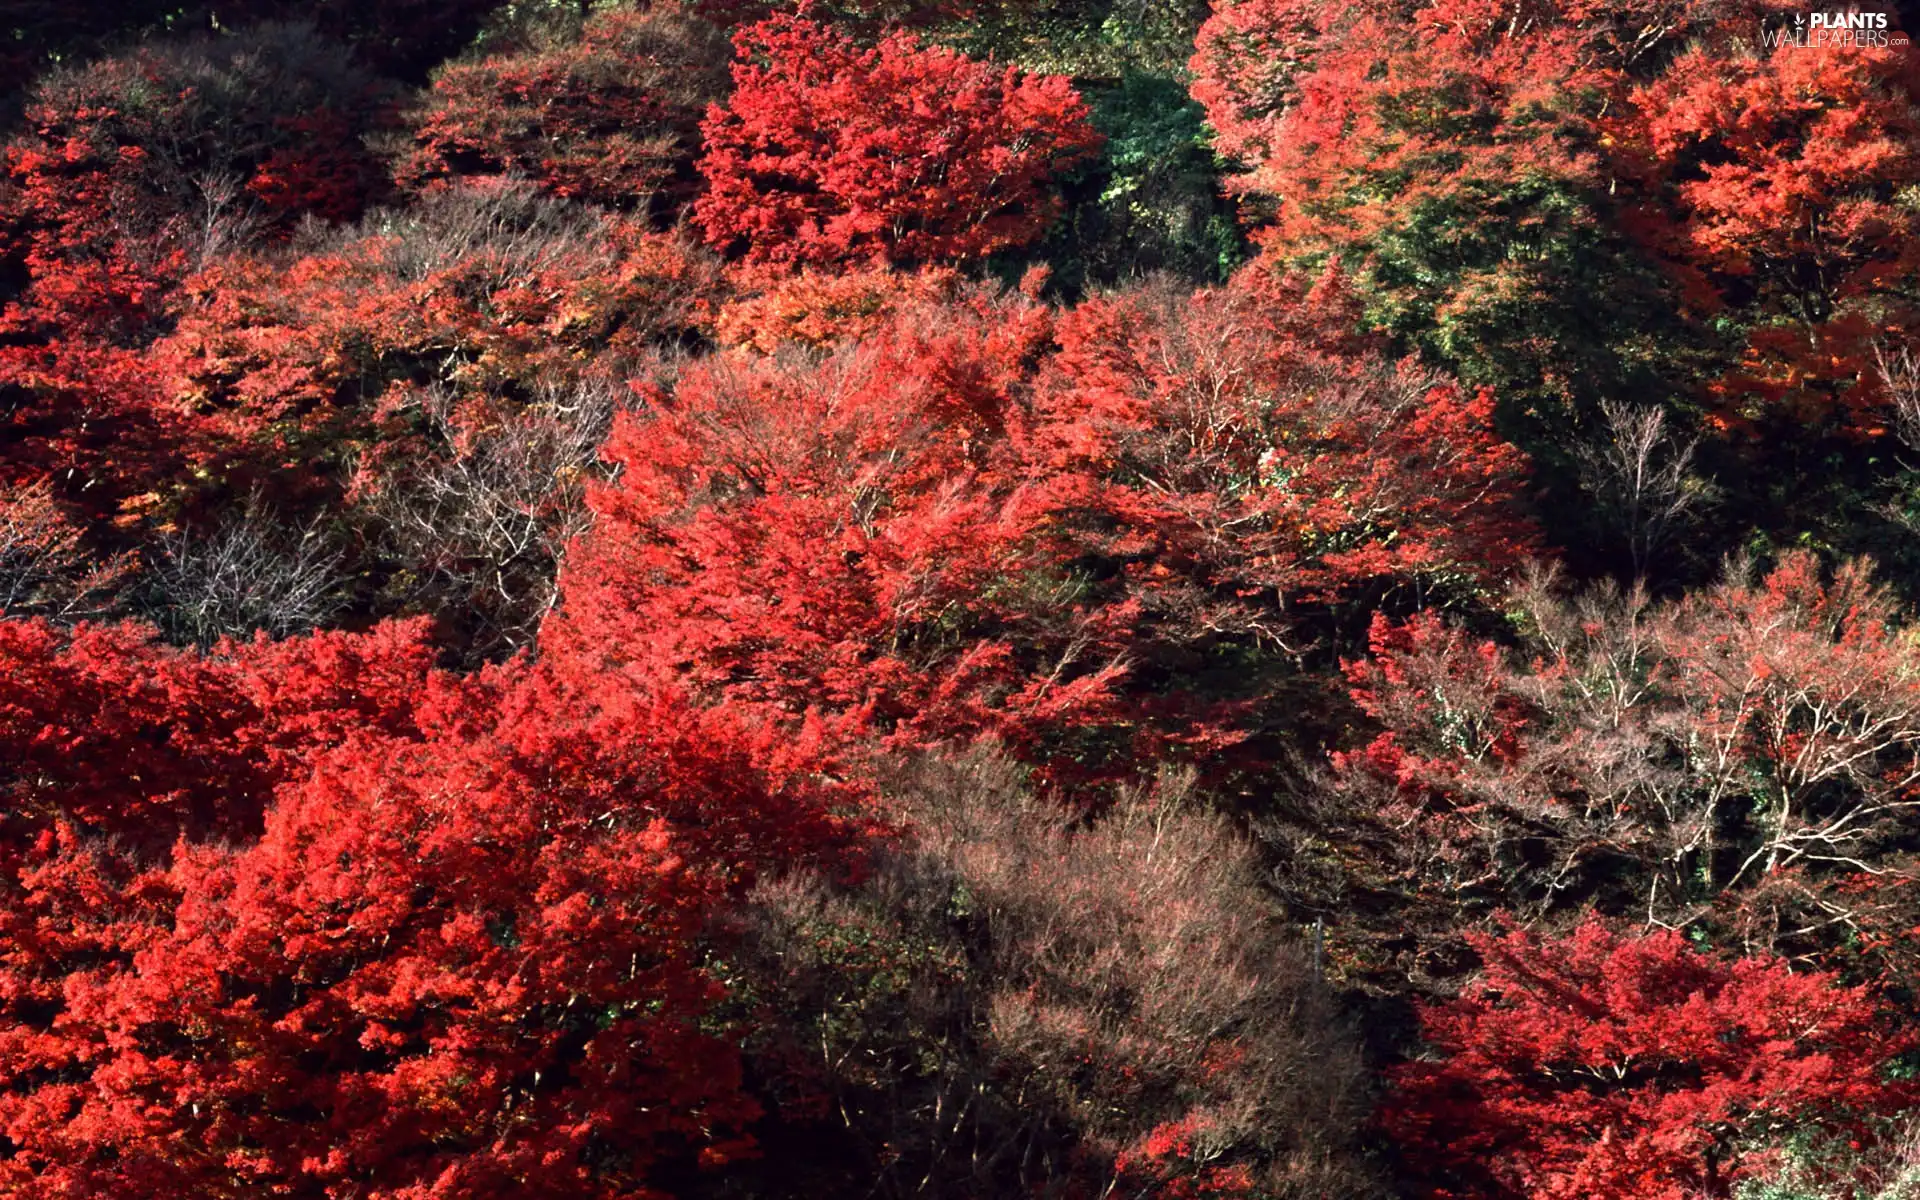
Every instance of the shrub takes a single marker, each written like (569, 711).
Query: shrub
(612, 117)
(1013, 1005)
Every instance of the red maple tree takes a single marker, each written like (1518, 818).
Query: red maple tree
(1771, 186)
(827, 152)
(1614, 1065)
(1757, 178)
(311, 916)
(988, 517)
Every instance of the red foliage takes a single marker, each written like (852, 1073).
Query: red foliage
(132, 172)
(325, 171)
(1322, 98)
(1605, 1065)
(1168, 1163)
(613, 117)
(1772, 186)
(281, 369)
(986, 518)
(829, 536)
(827, 152)
(308, 916)
(109, 733)
(483, 289)
(317, 917)
(93, 419)
(1244, 440)
(822, 309)
(1248, 62)
(1764, 179)
(1451, 698)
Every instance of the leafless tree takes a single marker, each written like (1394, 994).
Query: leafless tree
(1898, 368)
(227, 218)
(247, 574)
(45, 570)
(507, 226)
(1636, 470)
(479, 532)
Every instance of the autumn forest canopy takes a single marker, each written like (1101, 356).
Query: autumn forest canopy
(1075, 599)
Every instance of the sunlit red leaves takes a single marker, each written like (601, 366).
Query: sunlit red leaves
(1616, 1065)
(109, 731)
(1423, 676)
(798, 534)
(1248, 62)
(989, 518)
(414, 932)
(1774, 182)
(280, 368)
(821, 309)
(1765, 180)
(1766, 149)
(1328, 103)
(826, 152)
(313, 916)
(1246, 442)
